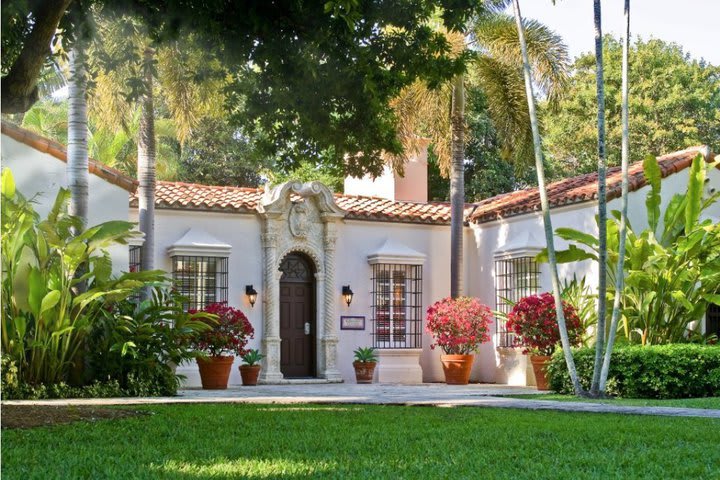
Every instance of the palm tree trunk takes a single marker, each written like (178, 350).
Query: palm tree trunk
(146, 167)
(564, 339)
(619, 271)
(602, 204)
(77, 151)
(457, 185)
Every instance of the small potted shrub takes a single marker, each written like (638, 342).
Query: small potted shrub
(250, 369)
(533, 320)
(218, 345)
(365, 361)
(459, 326)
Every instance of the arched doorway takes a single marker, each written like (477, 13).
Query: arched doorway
(298, 329)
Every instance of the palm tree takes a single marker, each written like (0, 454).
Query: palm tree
(495, 68)
(77, 128)
(537, 144)
(146, 165)
(625, 162)
(602, 203)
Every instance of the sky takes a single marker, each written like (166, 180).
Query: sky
(694, 24)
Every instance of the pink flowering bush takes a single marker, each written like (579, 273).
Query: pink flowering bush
(533, 320)
(459, 325)
(229, 335)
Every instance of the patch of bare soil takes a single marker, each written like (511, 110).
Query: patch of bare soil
(29, 416)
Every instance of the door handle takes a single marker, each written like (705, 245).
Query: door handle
(307, 328)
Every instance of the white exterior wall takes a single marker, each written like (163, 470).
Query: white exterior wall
(41, 175)
(490, 237)
(244, 264)
(356, 240)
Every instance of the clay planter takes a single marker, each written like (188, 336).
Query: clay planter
(364, 371)
(215, 371)
(539, 364)
(249, 374)
(457, 368)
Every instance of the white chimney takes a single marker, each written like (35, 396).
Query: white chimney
(411, 187)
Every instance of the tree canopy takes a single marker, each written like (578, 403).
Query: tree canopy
(674, 104)
(314, 78)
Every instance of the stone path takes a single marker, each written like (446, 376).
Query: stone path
(431, 394)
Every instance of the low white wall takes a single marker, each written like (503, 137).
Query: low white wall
(39, 176)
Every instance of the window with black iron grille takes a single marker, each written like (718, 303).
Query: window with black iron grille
(397, 306)
(712, 320)
(515, 278)
(134, 258)
(202, 280)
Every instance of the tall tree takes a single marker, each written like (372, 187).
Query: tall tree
(620, 269)
(547, 221)
(347, 59)
(146, 164)
(457, 185)
(602, 202)
(494, 66)
(77, 135)
(674, 104)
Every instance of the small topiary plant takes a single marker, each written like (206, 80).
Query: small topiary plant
(365, 355)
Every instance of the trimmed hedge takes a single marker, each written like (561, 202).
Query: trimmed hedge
(658, 371)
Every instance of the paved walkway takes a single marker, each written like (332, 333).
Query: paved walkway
(435, 394)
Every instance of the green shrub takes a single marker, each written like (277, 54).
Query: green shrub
(657, 371)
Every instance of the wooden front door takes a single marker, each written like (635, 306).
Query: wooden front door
(297, 317)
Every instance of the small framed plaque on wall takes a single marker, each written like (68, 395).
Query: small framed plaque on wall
(352, 323)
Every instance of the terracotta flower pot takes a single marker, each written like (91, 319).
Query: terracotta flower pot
(249, 374)
(539, 364)
(364, 371)
(457, 368)
(215, 371)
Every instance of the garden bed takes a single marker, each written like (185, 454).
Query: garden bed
(29, 416)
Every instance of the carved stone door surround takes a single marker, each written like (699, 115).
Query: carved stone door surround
(300, 217)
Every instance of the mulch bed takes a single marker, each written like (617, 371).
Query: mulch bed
(29, 416)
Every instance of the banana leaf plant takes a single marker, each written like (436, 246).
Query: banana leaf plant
(672, 267)
(45, 316)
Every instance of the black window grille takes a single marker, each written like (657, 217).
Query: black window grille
(515, 278)
(134, 258)
(201, 280)
(712, 320)
(397, 306)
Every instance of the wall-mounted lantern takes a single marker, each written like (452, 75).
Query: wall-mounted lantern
(251, 294)
(347, 294)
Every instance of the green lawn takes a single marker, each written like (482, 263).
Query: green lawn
(270, 441)
(712, 403)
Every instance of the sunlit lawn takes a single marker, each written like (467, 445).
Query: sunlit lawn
(252, 441)
(705, 403)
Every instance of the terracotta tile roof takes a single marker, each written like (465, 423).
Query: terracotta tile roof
(59, 151)
(191, 196)
(579, 189)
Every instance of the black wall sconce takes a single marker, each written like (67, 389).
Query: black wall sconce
(347, 294)
(251, 294)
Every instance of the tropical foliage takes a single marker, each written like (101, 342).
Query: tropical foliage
(46, 316)
(672, 267)
(139, 343)
(459, 325)
(534, 322)
(365, 355)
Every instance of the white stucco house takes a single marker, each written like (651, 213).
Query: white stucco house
(300, 247)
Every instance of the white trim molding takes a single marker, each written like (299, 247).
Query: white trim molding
(199, 243)
(393, 252)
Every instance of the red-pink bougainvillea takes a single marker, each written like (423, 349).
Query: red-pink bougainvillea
(533, 320)
(229, 336)
(459, 325)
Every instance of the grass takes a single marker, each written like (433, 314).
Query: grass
(353, 441)
(712, 403)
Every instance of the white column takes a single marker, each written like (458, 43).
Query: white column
(271, 308)
(330, 338)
